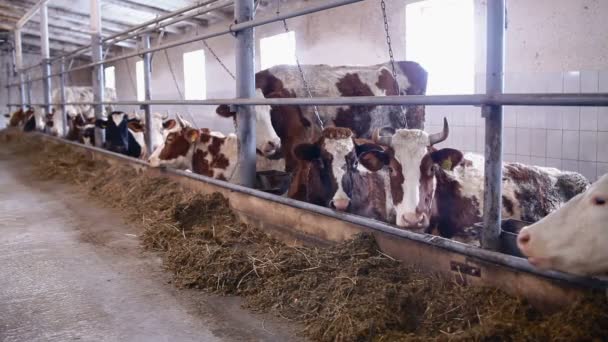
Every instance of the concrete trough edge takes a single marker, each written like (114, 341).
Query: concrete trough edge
(467, 264)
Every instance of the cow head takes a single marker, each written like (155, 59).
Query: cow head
(326, 167)
(117, 132)
(268, 142)
(572, 239)
(179, 136)
(412, 163)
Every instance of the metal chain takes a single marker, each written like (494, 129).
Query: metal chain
(181, 95)
(390, 51)
(304, 81)
(219, 60)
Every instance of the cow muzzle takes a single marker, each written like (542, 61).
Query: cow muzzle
(270, 148)
(341, 204)
(414, 220)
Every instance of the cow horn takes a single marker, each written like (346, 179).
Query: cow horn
(383, 135)
(165, 116)
(436, 138)
(181, 121)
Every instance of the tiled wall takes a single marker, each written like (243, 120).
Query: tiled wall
(568, 138)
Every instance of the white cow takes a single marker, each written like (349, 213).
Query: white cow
(573, 239)
(76, 94)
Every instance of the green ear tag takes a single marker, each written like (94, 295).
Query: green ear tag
(447, 164)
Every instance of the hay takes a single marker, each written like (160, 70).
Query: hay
(349, 292)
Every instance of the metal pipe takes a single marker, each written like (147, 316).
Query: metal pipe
(432, 100)
(490, 235)
(147, 93)
(426, 239)
(46, 54)
(8, 89)
(64, 114)
(230, 29)
(245, 88)
(18, 65)
(98, 81)
(28, 88)
(118, 38)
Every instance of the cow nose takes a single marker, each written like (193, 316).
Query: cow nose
(414, 220)
(339, 204)
(523, 239)
(270, 148)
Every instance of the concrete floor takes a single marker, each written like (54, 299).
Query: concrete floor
(72, 270)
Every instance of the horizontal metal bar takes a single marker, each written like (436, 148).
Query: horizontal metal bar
(137, 27)
(200, 11)
(230, 29)
(431, 240)
(433, 100)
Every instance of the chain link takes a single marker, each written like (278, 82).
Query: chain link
(219, 60)
(390, 51)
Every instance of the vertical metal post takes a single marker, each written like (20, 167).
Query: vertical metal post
(8, 88)
(245, 88)
(64, 114)
(28, 88)
(46, 55)
(147, 94)
(490, 237)
(18, 66)
(98, 81)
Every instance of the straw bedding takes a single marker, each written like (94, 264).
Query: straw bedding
(349, 292)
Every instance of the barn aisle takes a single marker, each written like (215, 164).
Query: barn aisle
(70, 270)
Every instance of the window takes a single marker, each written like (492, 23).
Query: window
(109, 75)
(194, 75)
(139, 73)
(440, 36)
(278, 49)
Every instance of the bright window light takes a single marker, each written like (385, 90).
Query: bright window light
(440, 36)
(194, 75)
(109, 74)
(139, 71)
(278, 49)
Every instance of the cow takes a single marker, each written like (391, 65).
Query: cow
(125, 134)
(75, 94)
(328, 174)
(299, 124)
(203, 151)
(573, 238)
(441, 190)
(81, 129)
(23, 119)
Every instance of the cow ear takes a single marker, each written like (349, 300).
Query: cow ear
(224, 110)
(169, 124)
(135, 126)
(7, 115)
(447, 158)
(307, 152)
(101, 123)
(374, 160)
(192, 135)
(362, 146)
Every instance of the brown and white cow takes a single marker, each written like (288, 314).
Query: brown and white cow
(328, 174)
(443, 189)
(573, 238)
(298, 124)
(208, 153)
(20, 118)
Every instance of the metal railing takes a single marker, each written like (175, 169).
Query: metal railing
(492, 101)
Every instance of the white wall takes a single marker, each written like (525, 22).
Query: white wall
(552, 46)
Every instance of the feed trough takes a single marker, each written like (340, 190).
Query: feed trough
(508, 236)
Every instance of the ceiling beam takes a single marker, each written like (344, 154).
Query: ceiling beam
(154, 10)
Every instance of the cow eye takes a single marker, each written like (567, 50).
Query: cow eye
(355, 164)
(599, 201)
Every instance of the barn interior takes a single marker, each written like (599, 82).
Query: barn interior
(550, 47)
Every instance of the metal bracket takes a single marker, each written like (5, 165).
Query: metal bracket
(465, 269)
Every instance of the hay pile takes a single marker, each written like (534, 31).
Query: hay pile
(350, 292)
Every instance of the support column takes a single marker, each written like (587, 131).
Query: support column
(18, 66)
(98, 81)
(245, 88)
(147, 93)
(490, 237)
(46, 55)
(64, 115)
